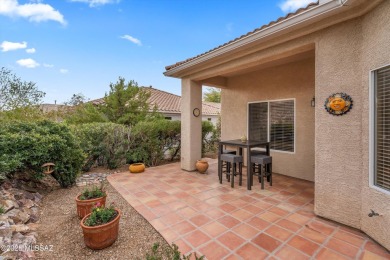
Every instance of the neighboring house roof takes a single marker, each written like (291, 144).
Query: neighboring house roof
(280, 19)
(170, 103)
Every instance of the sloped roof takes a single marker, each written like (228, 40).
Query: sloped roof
(280, 19)
(170, 103)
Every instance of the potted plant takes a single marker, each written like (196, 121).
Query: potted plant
(88, 199)
(101, 226)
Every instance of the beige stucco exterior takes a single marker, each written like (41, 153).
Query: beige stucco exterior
(335, 54)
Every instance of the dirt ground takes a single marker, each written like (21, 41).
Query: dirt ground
(60, 228)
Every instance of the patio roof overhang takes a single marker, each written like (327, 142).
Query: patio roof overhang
(325, 14)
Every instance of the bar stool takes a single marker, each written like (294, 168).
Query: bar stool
(233, 159)
(261, 161)
(226, 165)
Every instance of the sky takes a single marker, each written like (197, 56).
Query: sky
(81, 46)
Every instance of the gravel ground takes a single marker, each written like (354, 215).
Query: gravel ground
(60, 227)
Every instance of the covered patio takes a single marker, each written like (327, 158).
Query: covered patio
(200, 215)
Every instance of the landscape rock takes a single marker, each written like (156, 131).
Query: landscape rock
(8, 205)
(18, 216)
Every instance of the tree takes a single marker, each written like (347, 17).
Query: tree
(15, 93)
(76, 99)
(212, 95)
(126, 103)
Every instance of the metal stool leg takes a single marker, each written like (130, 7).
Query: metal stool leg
(240, 172)
(234, 173)
(262, 177)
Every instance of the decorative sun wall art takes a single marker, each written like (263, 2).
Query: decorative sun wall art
(338, 104)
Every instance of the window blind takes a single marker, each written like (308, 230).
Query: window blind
(282, 125)
(382, 125)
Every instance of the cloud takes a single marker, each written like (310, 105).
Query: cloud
(48, 65)
(132, 39)
(64, 71)
(28, 63)
(31, 50)
(95, 3)
(33, 11)
(289, 6)
(12, 46)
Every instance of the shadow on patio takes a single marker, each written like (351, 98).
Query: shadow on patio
(200, 215)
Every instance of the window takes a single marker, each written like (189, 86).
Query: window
(273, 121)
(168, 118)
(209, 119)
(382, 128)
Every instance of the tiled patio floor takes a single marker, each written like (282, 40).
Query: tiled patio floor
(200, 215)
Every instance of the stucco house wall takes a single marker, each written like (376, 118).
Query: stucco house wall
(291, 81)
(344, 55)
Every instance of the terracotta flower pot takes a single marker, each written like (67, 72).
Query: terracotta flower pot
(84, 207)
(99, 237)
(137, 167)
(202, 166)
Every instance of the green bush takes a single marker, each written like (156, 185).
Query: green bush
(105, 144)
(25, 146)
(151, 139)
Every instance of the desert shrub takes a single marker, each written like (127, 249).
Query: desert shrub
(209, 137)
(25, 146)
(158, 252)
(152, 138)
(84, 113)
(105, 144)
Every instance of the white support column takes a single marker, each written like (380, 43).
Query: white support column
(191, 126)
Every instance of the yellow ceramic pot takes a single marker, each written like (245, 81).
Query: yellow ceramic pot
(137, 167)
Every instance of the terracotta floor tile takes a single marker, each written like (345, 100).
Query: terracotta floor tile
(171, 219)
(303, 245)
(258, 223)
(298, 218)
(327, 254)
(250, 251)
(279, 211)
(233, 257)
(184, 248)
(169, 197)
(342, 247)
(200, 220)
(228, 221)
(253, 209)
(349, 237)
(215, 213)
(266, 242)
(183, 227)
(214, 229)
(213, 251)
(246, 231)
(377, 249)
(312, 235)
(278, 232)
(187, 212)
(231, 240)
(197, 238)
(169, 235)
(289, 225)
(241, 214)
(320, 227)
(288, 252)
(368, 255)
(269, 216)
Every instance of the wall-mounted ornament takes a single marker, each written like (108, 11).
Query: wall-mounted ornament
(338, 104)
(196, 112)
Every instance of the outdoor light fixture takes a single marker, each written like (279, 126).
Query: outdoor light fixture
(313, 102)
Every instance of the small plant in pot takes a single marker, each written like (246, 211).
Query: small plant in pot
(88, 199)
(101, 226)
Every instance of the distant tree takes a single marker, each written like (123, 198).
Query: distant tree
(126, 103)
(84, 113)
(15, 93)
(76, 99)
(212, 95)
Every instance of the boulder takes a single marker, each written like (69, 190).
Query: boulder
(18, 216)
